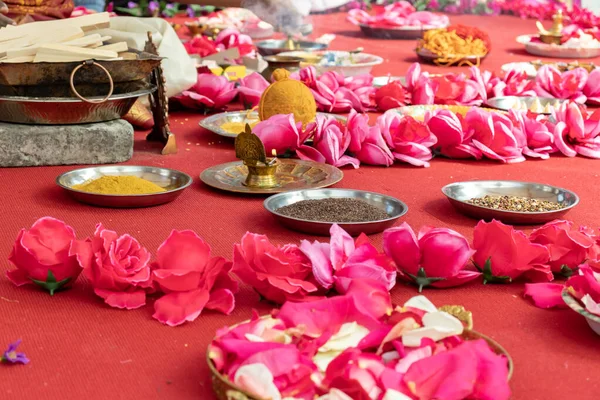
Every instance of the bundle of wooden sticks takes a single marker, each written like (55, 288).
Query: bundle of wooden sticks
(66, 40)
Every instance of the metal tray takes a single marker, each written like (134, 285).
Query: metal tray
(213, 123)
(404, 33)
(30, 74)
(506, 103)
(175, 182)
(293, 175)
(67, 110)
(458, 193)
(392, 206)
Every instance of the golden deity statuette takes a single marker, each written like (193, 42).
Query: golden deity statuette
(554, 35)
(261, 170)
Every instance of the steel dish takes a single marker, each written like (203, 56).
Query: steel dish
(394, 207)
(67, 110)
(292, 175)
(506, 103)
(273, 47)
(362, 63)
(214, 122)
(175, 182)
(458, 193)
(402, 33)
(556, 51)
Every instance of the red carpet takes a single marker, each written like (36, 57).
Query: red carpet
(81, 349)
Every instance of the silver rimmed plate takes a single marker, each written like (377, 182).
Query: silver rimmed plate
(392, 206)
(506, 103)
(174, 182)
(592, 319)
(460, 192)
(214, 122)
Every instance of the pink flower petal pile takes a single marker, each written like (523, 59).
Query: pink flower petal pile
(348, 347)
(399, 14)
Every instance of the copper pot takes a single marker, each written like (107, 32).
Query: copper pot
(291, 64)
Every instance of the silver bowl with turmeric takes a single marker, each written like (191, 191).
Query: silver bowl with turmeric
(124, 186)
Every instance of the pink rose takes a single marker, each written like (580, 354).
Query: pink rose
(231, 37)
(409, 140)
(191, 279)
(210, 92)
(344, 260)
(276, 273)
(437, 257)
(540, 140)
(576, 133)
(282, 134)
(41, 256)
(117, 267)
(367, 142)
(495, 135)
(569, 85)
(516, 83)
(592, 88)
(419, 86)
(330, 142)
(568, 247)
(504, 254)
(251, 88)
(452, 140)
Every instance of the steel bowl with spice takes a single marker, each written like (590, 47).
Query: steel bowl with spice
(505, 197)
(386, 205)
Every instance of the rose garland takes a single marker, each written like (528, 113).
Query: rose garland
(120, 270)
(478, 133)
(335, 93)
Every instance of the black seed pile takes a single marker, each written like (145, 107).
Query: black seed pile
(334, 210)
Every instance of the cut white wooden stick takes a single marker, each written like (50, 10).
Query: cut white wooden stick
(22, 52)
(13, 44)
(118, 47)
(57, 36)
(84, 41)
(61, 53)
(23, 59)
(86, 23)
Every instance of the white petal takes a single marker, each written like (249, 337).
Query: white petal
(412, 357)
(335, 394)
(258, 380)
(392, 394)
(440, 319)
(390, 356)
(253, 338)
(421, 303)
(349, 335)
(590, 304)
(322, 360)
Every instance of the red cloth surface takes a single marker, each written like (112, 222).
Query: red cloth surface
(82, 349)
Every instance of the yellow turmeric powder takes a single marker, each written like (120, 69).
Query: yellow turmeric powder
(452, 48)
(119, 185)
(237, 127)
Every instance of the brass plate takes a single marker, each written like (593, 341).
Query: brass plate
(292, 174)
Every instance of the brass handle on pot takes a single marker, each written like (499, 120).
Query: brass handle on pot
(93, 63)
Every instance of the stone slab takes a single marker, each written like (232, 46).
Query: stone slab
(37, 145)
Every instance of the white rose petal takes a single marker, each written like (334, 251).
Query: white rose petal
(349, 335)
(261, 381)
(590, 304)
(392, 394)
(412, 357)
(421, 303)
(438, 325)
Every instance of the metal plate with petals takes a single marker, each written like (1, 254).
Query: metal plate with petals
(402, 33)
(592, 319)
(556, 51)
(292, 175)
(458, 193)
(392, 206)
(506, 103)
(214, 122)
(174, 182)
